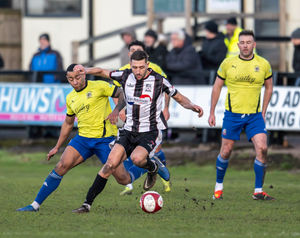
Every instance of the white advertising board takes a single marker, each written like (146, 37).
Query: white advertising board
(283, 112)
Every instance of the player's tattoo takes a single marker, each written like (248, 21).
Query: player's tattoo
(121, 100)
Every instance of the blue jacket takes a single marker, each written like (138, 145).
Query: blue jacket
(47, 60)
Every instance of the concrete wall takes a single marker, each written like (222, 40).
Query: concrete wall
(108, 16)
(62, 32)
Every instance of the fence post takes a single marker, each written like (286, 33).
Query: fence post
(150, 13)
(188, 15)
(75, 49)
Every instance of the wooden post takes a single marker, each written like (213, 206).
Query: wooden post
(282, 32)
(160, 28)
(150, 13)
(188, 16)
(75, 49)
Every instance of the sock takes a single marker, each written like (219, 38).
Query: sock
(95, 189)
(219, 186)
(161, 155)
(135, 172)
(150, 165)
(128, 163)
(50, 184)
(35, 205)
(129, 186)
(221, 166)
(259, 169)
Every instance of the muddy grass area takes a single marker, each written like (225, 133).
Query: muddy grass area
(182, 153)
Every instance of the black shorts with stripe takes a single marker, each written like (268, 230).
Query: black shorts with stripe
(148, 140)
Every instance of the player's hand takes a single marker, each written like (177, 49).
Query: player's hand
(263, 113)
(212, 120)
(52, 153)
(122, 115)
(79, 69)
(166, 113)
(198, 109)
(113, 117)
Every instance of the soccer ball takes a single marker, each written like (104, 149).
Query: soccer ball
(151, 202)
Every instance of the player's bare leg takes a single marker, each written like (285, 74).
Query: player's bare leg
(221, 166)
(260, 165)
(115, 158)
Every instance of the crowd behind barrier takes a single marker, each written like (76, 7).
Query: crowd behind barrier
(201, 77)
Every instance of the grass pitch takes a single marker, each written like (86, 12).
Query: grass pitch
(188, 209)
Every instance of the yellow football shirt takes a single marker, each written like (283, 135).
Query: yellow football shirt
(244, 80)
(153, 66)
(91, 107)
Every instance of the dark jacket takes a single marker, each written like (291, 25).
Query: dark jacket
(183, 65)
(47, 60)
(158, 55)
(213, 52)
(296, 59)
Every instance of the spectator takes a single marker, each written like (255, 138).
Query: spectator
(213, 49)
(47, 59)
(1, 62)
(232, 37)
(296, 57)
(182, 62)
(128, 35)
(156, 50)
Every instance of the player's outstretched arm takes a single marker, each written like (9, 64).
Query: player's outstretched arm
(267, 95)
(186, 103)
(65, 131)
(215, 94)
(166, 112)
(113, 116)
(96, 71)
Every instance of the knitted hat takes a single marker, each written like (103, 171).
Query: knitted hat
(211, 26)
(296, 34)
(232, 21)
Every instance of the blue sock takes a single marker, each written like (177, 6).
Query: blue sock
(161, 155)
(136, 172)
(221, 166)
(259, 169)
(50, 184)
(127, 163)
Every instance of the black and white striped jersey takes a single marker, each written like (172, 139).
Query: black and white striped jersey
(144, 99)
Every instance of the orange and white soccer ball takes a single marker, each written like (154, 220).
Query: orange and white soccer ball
(151, 202)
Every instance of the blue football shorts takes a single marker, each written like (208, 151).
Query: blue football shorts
(234, 123)
(90, 146)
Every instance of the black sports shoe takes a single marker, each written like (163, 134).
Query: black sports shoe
(150, 179)
(85, 208)
(262, 196)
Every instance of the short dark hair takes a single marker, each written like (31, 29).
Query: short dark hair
(137, 42)
(139, 55)
(71, 68)
(45, 36)
(247, 33)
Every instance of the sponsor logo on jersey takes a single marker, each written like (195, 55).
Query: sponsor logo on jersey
(143, 99)
(130, 85)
